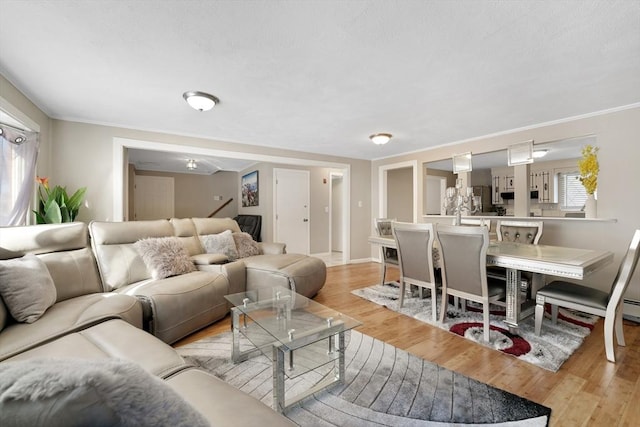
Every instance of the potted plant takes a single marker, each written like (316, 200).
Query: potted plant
(589, 168)
(55, 205)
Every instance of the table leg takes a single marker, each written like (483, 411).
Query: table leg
(235, 321)
(513, 299)
(278, 379)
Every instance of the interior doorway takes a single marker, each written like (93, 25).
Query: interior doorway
(336, 226)
(153, 197)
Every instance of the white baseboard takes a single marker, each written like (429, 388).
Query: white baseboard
(362, 260)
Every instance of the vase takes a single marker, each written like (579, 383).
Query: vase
(591, 207)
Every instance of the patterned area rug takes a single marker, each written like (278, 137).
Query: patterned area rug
(549, 350)
(384, 386)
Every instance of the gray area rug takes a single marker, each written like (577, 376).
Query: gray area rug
(384, 386)
(549, 350)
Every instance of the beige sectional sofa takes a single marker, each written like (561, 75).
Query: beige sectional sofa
(98, 315)
(180, 305)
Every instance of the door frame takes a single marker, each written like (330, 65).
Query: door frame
(121, 176)
(333, 174)
(382, 186)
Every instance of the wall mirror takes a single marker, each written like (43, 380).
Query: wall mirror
(552, 155)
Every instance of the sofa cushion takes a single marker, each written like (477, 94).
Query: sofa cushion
(69, 316)
(245, 245)
(26, 287)
(220, 243)
(71, 391)
(183, 304)
(164, 257)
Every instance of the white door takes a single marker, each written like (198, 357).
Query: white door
(291, 209)
(153, 197)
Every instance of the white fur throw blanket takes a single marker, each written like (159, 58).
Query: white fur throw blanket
(78, 392)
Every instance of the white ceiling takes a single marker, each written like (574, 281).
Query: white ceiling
(321, 76)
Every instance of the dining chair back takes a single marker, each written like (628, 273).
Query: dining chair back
(475, 221)
(415, 257)
(593, 301)
(463, 256)
(519, 231)
(388, 256)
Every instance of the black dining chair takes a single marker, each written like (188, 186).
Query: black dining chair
(591, 300)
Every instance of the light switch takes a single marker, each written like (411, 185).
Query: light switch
(359, 203)
(326, 209)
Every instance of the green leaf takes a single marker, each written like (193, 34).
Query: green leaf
(52, 213)
(64, 213)
(75, 201)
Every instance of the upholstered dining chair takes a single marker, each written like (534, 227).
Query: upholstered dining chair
(528, 232)
(475, 221)
(415, 258)
(463, 254)
(519, 231)
(389, 256)
(593, 301)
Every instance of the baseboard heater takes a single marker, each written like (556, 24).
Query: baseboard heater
(631, 310)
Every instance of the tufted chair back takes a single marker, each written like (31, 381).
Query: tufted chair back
(520, 231)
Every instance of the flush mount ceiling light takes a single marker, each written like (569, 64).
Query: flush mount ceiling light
(537, 154)
(200, 101)
(380, 138)
(191, 164)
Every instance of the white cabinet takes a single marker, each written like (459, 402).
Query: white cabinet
(545, 183)
(502, 181)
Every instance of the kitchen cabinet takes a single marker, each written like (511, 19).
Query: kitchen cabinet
(502, 182)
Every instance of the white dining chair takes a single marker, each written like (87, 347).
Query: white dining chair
(591, 300)
(415, 258)
(389, 256)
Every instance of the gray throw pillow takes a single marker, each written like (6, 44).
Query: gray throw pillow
(221, 243)
(80, 392)
(245, 245)
(164, 256)
(26, 287)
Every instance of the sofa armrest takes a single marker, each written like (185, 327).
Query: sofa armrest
(208, 259)
(235, 272)
(272, 248)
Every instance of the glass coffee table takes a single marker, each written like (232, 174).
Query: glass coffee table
(298, 334)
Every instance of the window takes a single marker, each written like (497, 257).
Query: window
(571, 194)
(18, 155)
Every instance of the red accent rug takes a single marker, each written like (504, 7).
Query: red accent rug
(555, 344)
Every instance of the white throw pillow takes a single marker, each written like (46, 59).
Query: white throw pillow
(26, 287)
(164, 256)
(221, 243)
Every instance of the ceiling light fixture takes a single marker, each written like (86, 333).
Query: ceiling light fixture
(537, 154)
(191, 164)
(200, 101)
(380, 138)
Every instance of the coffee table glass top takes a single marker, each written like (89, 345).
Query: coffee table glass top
(279, 316)
(279, 310)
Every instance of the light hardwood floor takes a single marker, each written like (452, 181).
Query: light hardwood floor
(586, 391)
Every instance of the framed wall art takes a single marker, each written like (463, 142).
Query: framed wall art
(250, 189)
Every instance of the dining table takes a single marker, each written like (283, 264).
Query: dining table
(541, 260)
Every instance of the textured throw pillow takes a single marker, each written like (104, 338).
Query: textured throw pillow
(80, 392)
(221, 243)
(26, 287)
(245, 245)
(164, 256)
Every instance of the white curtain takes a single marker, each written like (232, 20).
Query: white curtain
(17, 173)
